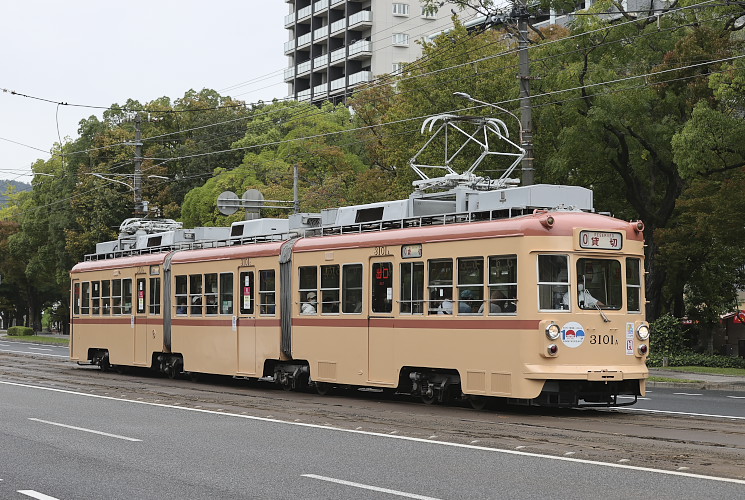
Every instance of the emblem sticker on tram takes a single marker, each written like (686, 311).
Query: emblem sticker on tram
(572, 334)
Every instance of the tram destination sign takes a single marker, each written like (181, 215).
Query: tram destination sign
(600, 240)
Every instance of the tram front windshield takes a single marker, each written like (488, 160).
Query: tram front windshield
(599, 284)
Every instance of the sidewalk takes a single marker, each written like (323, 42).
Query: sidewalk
(701, 380)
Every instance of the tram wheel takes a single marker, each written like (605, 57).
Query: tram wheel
(478, 402)
(324, 388)
(429, 398)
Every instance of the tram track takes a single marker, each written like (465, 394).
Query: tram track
(694, 444)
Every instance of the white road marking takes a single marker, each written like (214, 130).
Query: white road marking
(632, 397)
(407, 438)
(686, 394)
(85, 430)
(681, 413)
(36, 494)
(40, 349)
(36, 353)
(368, 487)
(736, 397)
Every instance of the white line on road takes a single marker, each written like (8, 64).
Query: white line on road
(682, 413)
(686, 394)
(39, 349)
(368, 487)
(736, 397)
(35, 353)
(36, 494)
(632, 397)
(84, 429)
(403, 438)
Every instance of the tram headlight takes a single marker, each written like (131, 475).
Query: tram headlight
(553, 331)
(642, 332)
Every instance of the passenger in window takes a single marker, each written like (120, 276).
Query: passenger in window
(309, 306)
(495, 299)
(464, 304)
(446, 306)
(586, 300)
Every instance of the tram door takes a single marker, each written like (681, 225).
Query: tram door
(246, 323)
(140, 325)
(380, 335)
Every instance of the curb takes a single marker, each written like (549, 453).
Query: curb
(701, 386)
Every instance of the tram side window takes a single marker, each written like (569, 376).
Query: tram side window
(182, 295)
(85, 303)
(154, 295)
(470, 285)
(76, 298)
(96, 297)
(267, 292)
(633, 284)
(352, 288)
(308, 289)
(412, 288)
(502, 284)
(195, 295)
(141, 306)
(440, 286)
(247, 292)
(330, 289)
(127, 296)
(116, 297)
(210, 293)
(226, 293)
(105, 297)
(553, 282)
(599, 284)
(382, 287)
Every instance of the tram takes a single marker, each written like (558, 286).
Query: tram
(514, 293)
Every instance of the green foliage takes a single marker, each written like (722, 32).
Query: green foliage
(696, 359)
(20, 331)
(667, 336)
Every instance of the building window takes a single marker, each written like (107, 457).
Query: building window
(430, 15)
(398, 68)
(401, 39)
(400, 9)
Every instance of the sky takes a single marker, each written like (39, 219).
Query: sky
(99, 52)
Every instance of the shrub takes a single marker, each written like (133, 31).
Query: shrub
(667, 336)
(20, 331)
(696, 359)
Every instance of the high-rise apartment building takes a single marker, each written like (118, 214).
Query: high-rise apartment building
(335, 45)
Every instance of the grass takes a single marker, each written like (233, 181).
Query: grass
(707, 369)
(674, 380)
(40, 339)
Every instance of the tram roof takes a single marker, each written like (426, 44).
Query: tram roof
(150, 259)
(528, 225)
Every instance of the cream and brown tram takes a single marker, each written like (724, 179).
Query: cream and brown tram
(544, 308)
(470, 289)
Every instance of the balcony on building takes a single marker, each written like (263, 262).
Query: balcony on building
(303, 95)
(360, 49)
(338, 84)
(304, 40)
(289, 20)
(321, 61)
(289, 46)
(360, 77)
(304, 13)
(320, 5)
(320, 90)
(362, 18)
(289, 73)
(338, 55)
(320, 33)
(336, 2)
(338, 26)
(303, 68)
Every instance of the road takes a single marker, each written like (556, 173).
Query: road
(352, 442)
(68, 444)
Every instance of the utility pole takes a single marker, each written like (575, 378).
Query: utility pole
(526, 111)
(139, 208)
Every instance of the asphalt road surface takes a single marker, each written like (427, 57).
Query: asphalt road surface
(68, 445)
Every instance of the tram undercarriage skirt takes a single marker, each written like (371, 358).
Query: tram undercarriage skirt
(573, 393)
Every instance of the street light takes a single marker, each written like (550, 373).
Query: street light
(468, 96)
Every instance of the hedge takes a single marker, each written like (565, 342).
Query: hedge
(20, 331)
(696, 359)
